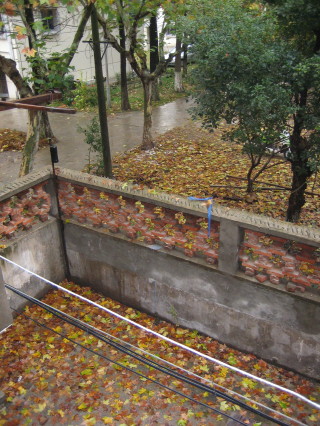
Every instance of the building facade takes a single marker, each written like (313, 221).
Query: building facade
(60, 27)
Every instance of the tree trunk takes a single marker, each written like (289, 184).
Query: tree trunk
(125, 103)
(154, 55)
(298, 187)
(155, 90)
(32, 142)
(250, 181)
(161, 45)
(106, 152)
(45, 131)
(185, 60)
(300, 173)
(178, 86)
(299, 163)
(147, 141)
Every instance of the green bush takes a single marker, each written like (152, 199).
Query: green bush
(85, 96)
(92, 137)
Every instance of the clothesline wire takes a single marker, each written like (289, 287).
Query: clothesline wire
(168, 339)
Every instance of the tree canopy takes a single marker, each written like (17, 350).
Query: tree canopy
(254, 69)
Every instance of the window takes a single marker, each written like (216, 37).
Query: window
(49, 18)
(4, 94)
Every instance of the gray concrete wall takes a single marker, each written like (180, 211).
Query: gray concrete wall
(5, 311)
(219, 301)
(40, 251)
(270, 323)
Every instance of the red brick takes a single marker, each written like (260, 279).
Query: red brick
(288, 269)
(262, 264)
(186, 228)
(211, 260)
(276, 272)
(188, 252)
(274, 279)
(257, 234)
(278, 252)
(312, 280)
(249, 264)
(211, 253)
(306, 259)
(292, 274)
(9, 231)
(251, 245)
(288, 258)
(148, 239)
(262, 252)
(293, 288)
(112, 226)
(261, 278)
(279, 240)
(159, 234)
(301, 280)
(306, 247)
(290, 264)
(250, 272)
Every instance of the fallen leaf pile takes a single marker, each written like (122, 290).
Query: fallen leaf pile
(11, 140)
(14, 140)
(193, 162)
(49, 380)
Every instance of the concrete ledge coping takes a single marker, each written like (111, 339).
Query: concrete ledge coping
(25, 182)
(243, 219)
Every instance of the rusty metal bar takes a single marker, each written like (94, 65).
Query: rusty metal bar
(4, 105)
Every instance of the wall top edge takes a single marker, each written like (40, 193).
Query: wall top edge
(219, 213)
(18, 185)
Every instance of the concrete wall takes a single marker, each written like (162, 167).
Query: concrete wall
(274, 325)
(32, 238)
(38, 251)
(133, 245)
(5, 311)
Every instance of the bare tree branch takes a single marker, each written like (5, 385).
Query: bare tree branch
(9, 67)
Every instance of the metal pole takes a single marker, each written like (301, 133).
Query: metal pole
(108, 92)
(101, 96)
(55, 159)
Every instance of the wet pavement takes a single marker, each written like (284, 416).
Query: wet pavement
(125, 132)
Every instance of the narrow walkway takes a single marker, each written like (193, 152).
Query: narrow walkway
(125, 132)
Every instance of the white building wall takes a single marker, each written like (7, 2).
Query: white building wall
(58, 40)
(6, 50)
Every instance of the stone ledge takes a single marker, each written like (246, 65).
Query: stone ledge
(25, 182)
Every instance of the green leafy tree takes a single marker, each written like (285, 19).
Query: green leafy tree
(134, 15)
(248, 71)
(299, 24)
(45, 74)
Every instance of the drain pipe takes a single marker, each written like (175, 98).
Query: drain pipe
(55, 159)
